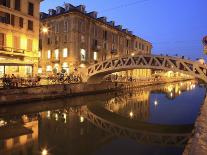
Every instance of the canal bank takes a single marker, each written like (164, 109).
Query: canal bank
(197, 145)
(45, 92)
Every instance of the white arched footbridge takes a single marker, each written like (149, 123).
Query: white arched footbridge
(96, 72)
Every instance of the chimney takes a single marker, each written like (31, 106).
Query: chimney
(43, 15)
(119, 27)
(93, 14)
(52, 12)
(125, 30)
(59, 10)
(103, 19)
(112, 23)
(68, 6)
(81, 8)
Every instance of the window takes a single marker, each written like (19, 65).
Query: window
(57, 54)
(65, 26)
(95, 56)
(30, 8)
(56, 39)
(56, 67)
(83, 54)
(21, 22)
(105, 35)
(113, 38)
(30, 25)
(48, 41)
(82, 39)
(105, 46)
(48, 68)
(142, 46)
(39, 71)
(17, 5)
(16, 42)
(1, 40)
(65, 38)
(65, 67)
(5, 3)
(48, 54)
(28, 70)
(4, 17)
(12, 20)
(65, 52)
(39, 54)
(29, 44)
(127, 43)
(57, 28)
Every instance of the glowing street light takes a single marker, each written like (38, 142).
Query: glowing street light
(131, 114)
(156, 103)
(81, 119)
(45, 30)
(44, 152)
(132, 54)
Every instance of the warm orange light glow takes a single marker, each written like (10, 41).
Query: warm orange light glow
(23, 44)
(45, 30)
(9, 40)
(44, 152)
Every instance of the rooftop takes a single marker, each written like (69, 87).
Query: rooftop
(67, 8)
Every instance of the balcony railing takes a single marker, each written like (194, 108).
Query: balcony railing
(17, 52)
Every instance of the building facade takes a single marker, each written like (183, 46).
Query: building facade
(19, 37)
(72, 38)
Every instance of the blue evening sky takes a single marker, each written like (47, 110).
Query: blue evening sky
(173, 26)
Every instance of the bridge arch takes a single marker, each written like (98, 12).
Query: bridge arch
(96, 72)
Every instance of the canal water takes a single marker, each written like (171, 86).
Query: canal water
(155, 120)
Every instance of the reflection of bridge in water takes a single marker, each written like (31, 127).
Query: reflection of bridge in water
(164, 135)
(135, 104)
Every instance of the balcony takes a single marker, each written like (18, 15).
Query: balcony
(8, 51)
(13, 52)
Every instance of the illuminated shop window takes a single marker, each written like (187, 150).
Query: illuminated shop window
(83, 54)
(65, 67)
(39, 54)
(95, 56)
(48, 54)
(28, 70)
(56, 68)
(56, 54)
(48, 68)
(65, 52)
(39, 71)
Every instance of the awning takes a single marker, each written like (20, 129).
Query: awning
(16, 64)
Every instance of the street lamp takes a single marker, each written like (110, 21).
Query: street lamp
(44, 29)
(44, 152)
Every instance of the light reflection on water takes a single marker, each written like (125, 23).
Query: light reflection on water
(103, 124)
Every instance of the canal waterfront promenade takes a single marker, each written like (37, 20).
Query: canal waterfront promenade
(45, 92)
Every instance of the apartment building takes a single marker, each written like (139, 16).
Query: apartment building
(19, 37)
(72, 38)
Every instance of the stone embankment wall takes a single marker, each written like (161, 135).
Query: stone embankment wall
(20, 95)
(8, 96)
(197, 145)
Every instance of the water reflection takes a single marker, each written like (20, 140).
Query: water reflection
(99, 125)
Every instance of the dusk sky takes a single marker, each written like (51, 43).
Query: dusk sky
(172, 26)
